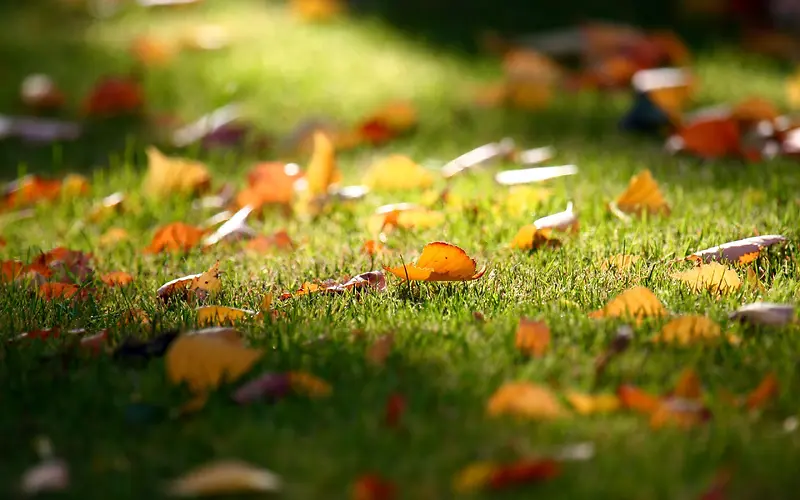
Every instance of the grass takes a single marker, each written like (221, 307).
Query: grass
(445, 362)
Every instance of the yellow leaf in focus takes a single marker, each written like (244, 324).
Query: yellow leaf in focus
(524, 399)
(643, 194)
(167, 175)
(309, 385)
(637, 302)
(531, 238)
(689, 329)
(224, 477)
(207, 358)
(207, 282)
(440, 261)
(587, 404)
(473, 477)
(397, 172)
(619, 262)
(713, 277)
(533, 337)
(220, 315)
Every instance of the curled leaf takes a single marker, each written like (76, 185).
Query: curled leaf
(740, 251)
(167, 175)
(561, 221)
(440, 261)
(765, 313)
(525, 399)
(224, 477)
(642, 195)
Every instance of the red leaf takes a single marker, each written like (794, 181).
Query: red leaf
(524, 472)
(395, 407)
(373, 487)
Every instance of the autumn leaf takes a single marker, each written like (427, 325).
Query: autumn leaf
(525, 399)
(440, 261)
(322, 171)
(30, 190)
(175, 237)
(10, 270)
(50, 291)
(688, 385)
(317, 10)
(714, 277)
(588, 404)
(225, 477)
(221, 315)
(793, 90)
(530, 175)
(619, 262)
(114, 236)
(233, 229)
(531, 238)
(755, 109)
(637, 303)
(268, 183)
(309, 385)
(373, 487)
(379, 351)
(151, 51)
(635, 399)
(206, 358)
(167, 175)
(373, 247)
(687, 330)
(737, 252)
(708, 137)
(474, 477)
(766, 391)
(561, 221)
(394, 409)
(279, 240)
(642, 195)
(765, 313)
(397, 173)
(524, 472)
(387, 122)
(117, 278)
(533, 337)
(114, 96)
(112, 204)
(404, 216)
(198, 286)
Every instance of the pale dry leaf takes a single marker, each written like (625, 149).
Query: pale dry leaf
(224, 477)
(619, 262)
(167, 175)
(397, 173)
(714, 277)
(765, 313)
(531, 175)
(525, 399)
(642, 195)
(740, 251)
(687, 330)
(561, 221)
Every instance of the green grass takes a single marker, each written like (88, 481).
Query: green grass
(445, 362)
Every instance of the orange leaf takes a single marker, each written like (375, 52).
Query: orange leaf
(322, 171)
(167, 175)
(533, 337)
(524, 399)
(766, 391)
(525, 471)
(317, 10)
(440, 261)
(637, 302)
(531, 238)
(150, 51)
(635, 399)
(280, 240)
(372, 247)
(50, 291)
(29, 190)
(688, 386)
(200, 285)
(175, 237)
(113, 96)
(643, 194)
(398, 117)
(117, 278)
(711, 137)
(11, 270)
(686, 330)
(373, 487)
(269, 182)
(755, 109)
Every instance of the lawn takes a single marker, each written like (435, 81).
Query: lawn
(118, 424)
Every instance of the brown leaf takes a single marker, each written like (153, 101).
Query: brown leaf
(395, 407)
(114, 96)
(525, 471)
(50, 291)
(766, 391)
(533, 337)
(117, 278)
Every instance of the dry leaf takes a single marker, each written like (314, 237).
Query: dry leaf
(221, 315)
(440, 261)
(637, 302)
(688, 386)
(688, 330)
(642, 195)
(234, 229)
(714, 277)
(50, 291)
(388, 122)
(206, 358)
(373, 487)
(269, 182)
(765, 313)
(317, 10)
(524, 471)
(373, 247)
(755, 109)
(224, 477)
(322, 171)
(280, 240)
(107, 207)
(531, 238)
(708, 137)
(10, 270)
(113, 96)
(635, 399)
(536, 174)
(167, 175)
(117, 278)
(30, 190)
(588, 404)
(396, 173)
(533, 337)
(766, 391)
(740, 251)
(473, 477)
(619, 262)
(175, 237)
(199, 286)
(309, 385)
(561, 221)
(113, 236)
(404, 216)
(524, 399)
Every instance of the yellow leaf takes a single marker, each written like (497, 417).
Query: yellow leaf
(113, 236)
(201, 285)
(473, 477)
(167, 175)
(317, 10)
(637, 303)
(619, 262)
(224, 477)
(525, 399)
(533, 337)
(208, 282)
(643, 194)
(219, 315)
(440, 261)
(397, 172)
(793, 90)
(714, 277)
(74, 185)
(531, 238)
(309, 385)
(322, 171)
(587, 404)
(206, 358)
(525, 198)
(689, 329)
(529, 95)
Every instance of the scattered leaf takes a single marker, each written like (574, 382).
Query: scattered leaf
(531, 238)
(50, 291)
(714, 277)
(635, 399)
(233, 229)
(588, 404)
(766, 391)
(765, 313)
(10, 270)
(687, 330)
(737, 252)
(524, 471)
(561, 221)
(373, 247)
(536, 174)
(397, 173)
(268, 386)
(642, 195)
(688, 385)
(167, 175)
(175, 237)
(224, 477)
(474, 477)
(114, 96)
(221, 315)
(280, 240)
(309, 385)
(387, 122)
(533, 337)
(269, 183)
(322, 171)
(619, 262)
(373, 487)
(708, 137)
(117, 278)
(440, 261)
(637, 302)
(525, 399)
(199, 286)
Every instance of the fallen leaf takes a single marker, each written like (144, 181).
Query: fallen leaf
(379, 351)
(536, 174)
(151, 51)
(635, 399)
(225, 477)
(234, 229)
(10, 270)
(404, 216)
(317, 10)
(117, 278)
(268, 386)
(474, 477)
(156, 347)
(531, 238)
(765, 313)
(755, 109)
(112, 204)
(714, 277)
(309, 385)
(753, 281)
(619, 262)
(708, 137)
(533, 337)
(373, 487)
(372, 248)
(679, 412)
(524, 471)
(766, 391)
(374, 280)
(221, 315)
(440, 261)
(588, 404)
(529, 95)
(397, 173)
(269, 182)
(167, 175)
(561, 221)
(642, 195)
(175, 237)
(280, 240)
(387, 122)
(480, 156)
(113, 96)
(395, 407)
(206, 358)
(687, 330)
(199, 286)
(322, 171)
(114, 236)
(525, 399)
(29, 190)
(50, 291)
(637, 302)
(737, 252)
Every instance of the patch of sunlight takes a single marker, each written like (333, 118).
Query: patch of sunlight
(284, 69)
